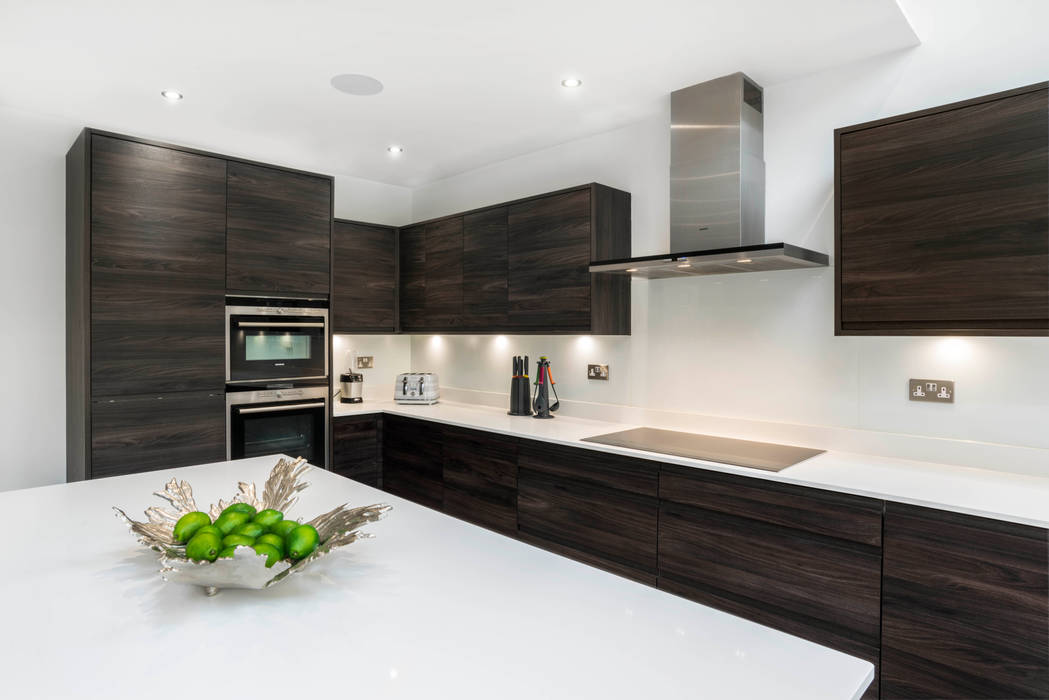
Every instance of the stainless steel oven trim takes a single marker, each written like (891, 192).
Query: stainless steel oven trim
(242, 398)
(277, 311)
(278, 324)
(282, 407)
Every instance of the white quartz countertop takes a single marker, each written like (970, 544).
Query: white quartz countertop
(1018, 498)
(431, 607)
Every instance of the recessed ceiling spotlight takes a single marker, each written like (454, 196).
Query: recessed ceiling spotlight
(571, 82)
(356, 84)
(171, 95)
(395, 150)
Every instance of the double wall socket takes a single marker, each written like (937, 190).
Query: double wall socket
(934, 390)
(597, 372)
(365, 361)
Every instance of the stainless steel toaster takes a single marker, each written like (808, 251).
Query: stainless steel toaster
(416, 387)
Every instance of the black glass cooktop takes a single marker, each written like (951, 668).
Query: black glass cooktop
(741, 453)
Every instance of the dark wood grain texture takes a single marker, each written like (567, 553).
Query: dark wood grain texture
(357, 448)
(485, 270)
(413, 467)
(412, 275)
(601, 506)
(942, 221)
(549, 255)
(364, 274)
(762, 551)
(610, 238)
(158, 237)
(444, 274)
(480, 478)
(278, 230)
(965, 607)
(145, 433)
(78, 309)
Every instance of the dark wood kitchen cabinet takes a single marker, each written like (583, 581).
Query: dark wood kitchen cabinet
(357, 448)
(431, 284)
(146, 433)
(592, 506)
(965, 607)
(942, 220)
(411, 246)
(157, 269)
(805, 561)
(412, 463)
(552, 240)
(480, 478)
(278, 230)
(364, 278)
(485, 270)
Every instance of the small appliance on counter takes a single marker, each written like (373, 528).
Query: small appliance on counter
(352, 387)
(519, 392)
(544, 383)
(416, 387)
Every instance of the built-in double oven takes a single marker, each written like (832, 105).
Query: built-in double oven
(277, 378)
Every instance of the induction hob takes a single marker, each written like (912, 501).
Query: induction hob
(741, 453)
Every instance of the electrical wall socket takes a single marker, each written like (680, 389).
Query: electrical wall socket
(365, 361)
(597, 372)
(933, 390)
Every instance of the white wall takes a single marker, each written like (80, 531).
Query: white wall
(761, 346)
(32, 286)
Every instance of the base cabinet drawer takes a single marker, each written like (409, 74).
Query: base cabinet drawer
(146, 433)
(356, 449)
(412, 463)
(480, 478)
(965, 610)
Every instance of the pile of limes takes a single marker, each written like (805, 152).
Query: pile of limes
(265, 531)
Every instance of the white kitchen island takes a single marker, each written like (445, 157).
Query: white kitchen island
(432, 607)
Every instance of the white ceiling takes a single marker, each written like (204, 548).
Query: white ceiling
(468, 82)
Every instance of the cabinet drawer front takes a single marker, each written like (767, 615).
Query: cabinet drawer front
(147, 433)
(965, 607)
(592, 467)
(820, 512)
(829, 583)
(480, 478)
(356, 448)
(611, 525)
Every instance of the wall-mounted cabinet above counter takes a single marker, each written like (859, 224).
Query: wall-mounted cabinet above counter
(515, 267)
(942, 220)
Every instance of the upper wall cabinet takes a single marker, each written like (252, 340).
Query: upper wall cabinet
(364, 278)
(278, 230)
(519, 267)
(942, 220)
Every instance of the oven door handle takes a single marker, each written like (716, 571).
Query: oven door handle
(286, 407)
(278, 324)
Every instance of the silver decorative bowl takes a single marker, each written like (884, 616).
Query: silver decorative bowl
(246, 569)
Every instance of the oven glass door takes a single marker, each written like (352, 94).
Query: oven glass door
(294, 429)
(276, 347)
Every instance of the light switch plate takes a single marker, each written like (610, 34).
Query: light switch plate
(932, 390)
(365, 361)
(597, 372)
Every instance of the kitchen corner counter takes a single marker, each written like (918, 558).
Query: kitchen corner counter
(1017, 498)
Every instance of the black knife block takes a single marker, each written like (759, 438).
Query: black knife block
(520, 397)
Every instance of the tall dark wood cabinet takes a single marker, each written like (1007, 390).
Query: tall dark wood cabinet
(278, 230)
(965, 610)
(144, 297)
(364, 278)
(486, 302)
(942, 220)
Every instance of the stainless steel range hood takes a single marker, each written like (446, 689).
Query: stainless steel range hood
(717, 189)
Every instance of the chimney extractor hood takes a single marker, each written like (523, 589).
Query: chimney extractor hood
(717, 189)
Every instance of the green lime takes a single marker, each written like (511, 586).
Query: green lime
(204, 547)
(275, 540)
(188, 525)
(249, 529)
(227, 553)
(227, 521)
(271, 552)
(237, 540)
(268, 518)
(301, 541)
(211, 529)
(240, 508)
(282, 528)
